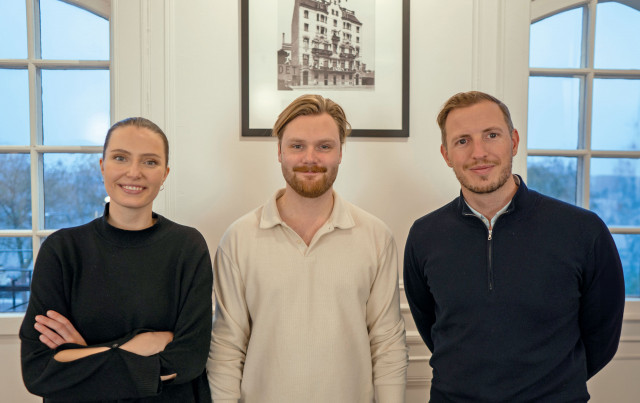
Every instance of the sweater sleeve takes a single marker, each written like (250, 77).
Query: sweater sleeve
(420, 299)
(602, 303)
(186, 355)
(83, 379)
(115, 373)
(231, 331)
(386, 330)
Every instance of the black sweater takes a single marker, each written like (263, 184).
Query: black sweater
(528, 314)
(113, 284)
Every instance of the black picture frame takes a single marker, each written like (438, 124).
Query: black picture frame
(397, 105)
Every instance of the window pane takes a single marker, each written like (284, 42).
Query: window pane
(617, 45)
(556, 41)
(14, 107)
(13, 29)
(15, 191)
(629, 249)
(73, 189)
(16, 265)
(553, 176)
(69, 32)
(554, 104)
(615, 190)
(75, 106)
(616, 114)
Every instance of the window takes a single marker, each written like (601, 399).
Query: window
(305, 43)
(306, 27)
(55, 111)
(584, 116)
(306, 13)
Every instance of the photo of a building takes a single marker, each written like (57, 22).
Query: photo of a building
(325, 50)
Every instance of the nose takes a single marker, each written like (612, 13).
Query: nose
(479, 150)
(310, 155)
(133, 171)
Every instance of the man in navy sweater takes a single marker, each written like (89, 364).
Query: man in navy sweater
(518, 296)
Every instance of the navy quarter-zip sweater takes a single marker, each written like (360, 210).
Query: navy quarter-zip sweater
(529, 313)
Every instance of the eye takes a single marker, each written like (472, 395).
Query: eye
(462, 142)
(296, 146)
(119, 158)
(325, 147)
(151, 163)
(493, 135)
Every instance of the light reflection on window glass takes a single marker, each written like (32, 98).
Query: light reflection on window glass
(553, 113)
(15, 191)
(616, 115)
(69, 32)
(14, 107)
(16, 266)
(616, 44)
(13, 24)
(73, 189)
(615, 190)
(553, 176)
(75, 106)
(564, 32)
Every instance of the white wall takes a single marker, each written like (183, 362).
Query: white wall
(178, 62)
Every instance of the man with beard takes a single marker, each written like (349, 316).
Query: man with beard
(306, 286)
(518, 296)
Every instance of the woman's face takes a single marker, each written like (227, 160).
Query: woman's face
(133, 168)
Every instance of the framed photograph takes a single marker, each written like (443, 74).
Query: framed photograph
(355, 52)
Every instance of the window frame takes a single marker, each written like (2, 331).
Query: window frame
(36, 150)
(587, 73)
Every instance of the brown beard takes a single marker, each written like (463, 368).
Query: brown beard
(488, 187)
(307, 188)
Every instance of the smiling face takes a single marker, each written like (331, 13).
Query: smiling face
(134, 168)
(310, 153)
(479, 147)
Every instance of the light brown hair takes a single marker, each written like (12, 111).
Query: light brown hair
(311, 104)
(464, 99)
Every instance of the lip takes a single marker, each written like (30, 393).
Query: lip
(131, 189)
(481, 169)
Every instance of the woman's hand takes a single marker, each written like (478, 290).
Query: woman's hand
(55, 330)
(148, 343)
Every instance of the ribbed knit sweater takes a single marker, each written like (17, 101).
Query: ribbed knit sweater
(113, 284)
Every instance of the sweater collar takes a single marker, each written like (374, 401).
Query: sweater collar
(126, 238)
(340, 215)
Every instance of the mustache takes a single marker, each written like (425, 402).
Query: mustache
(310, 168)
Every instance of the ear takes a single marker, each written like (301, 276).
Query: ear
(443, 151)
(280, 151)
(166, 173)
(102, 166)
(515, 141)
(340, 158)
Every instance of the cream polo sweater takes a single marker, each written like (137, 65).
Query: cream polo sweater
(296, 323)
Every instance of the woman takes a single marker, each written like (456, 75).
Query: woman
(120, 307)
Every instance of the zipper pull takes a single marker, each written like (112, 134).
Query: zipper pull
(490, 231)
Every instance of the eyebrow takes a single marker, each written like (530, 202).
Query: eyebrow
(122, 151)
(493, 129)
(303, 140)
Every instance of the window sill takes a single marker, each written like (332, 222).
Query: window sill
(10, 323)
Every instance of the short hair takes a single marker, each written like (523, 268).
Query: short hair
(140, 123)
(311, 104)
(464, 99)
